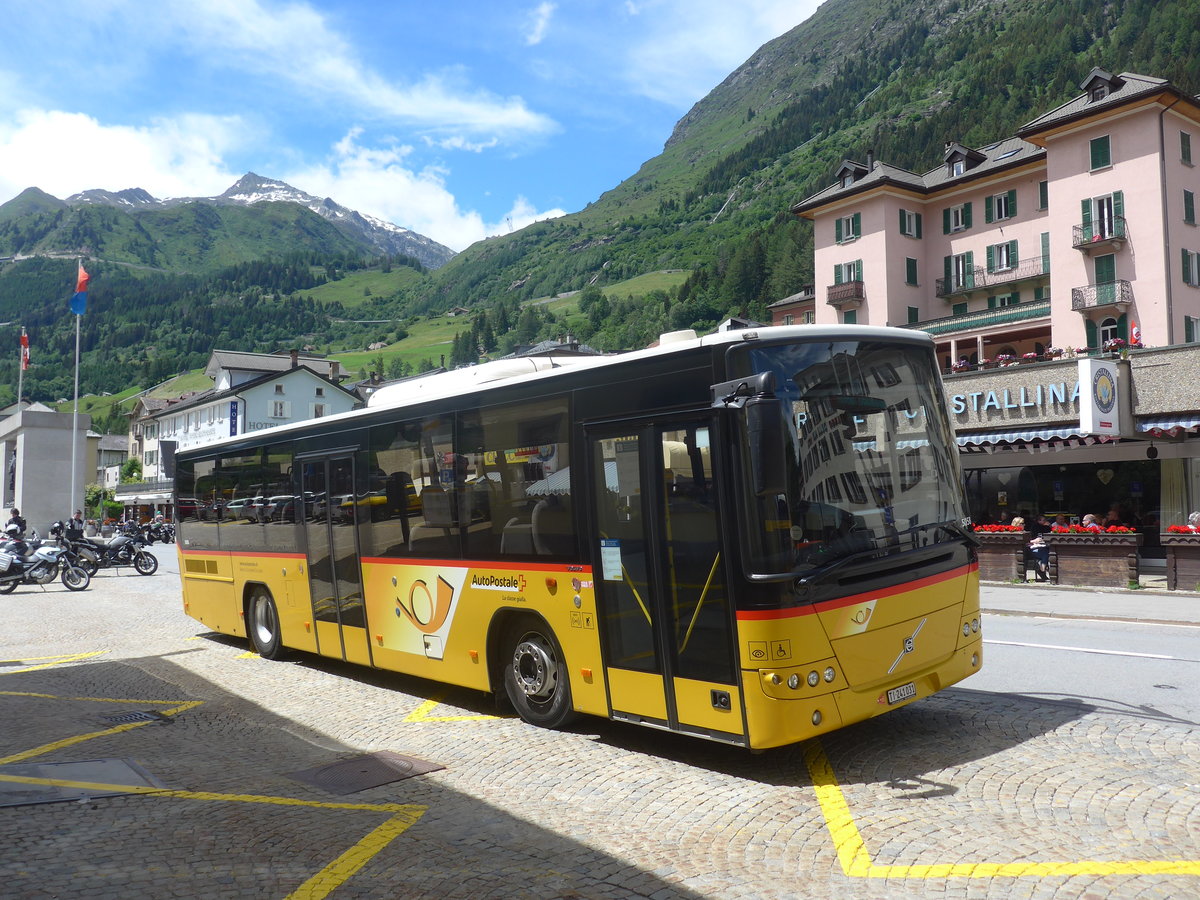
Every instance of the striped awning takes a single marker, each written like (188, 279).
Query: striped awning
(1015, 437)
(1172, 426)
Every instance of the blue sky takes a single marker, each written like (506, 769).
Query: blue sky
(450, 118)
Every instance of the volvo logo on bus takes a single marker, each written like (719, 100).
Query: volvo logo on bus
(910, 644)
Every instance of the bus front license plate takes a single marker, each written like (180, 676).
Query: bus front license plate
(904, 692)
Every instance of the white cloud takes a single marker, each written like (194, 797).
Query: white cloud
(379, 181)
(683, 48)
(64, 153)
(292, 43)
(539, 22)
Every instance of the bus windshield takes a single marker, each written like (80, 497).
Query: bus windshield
(871, 462)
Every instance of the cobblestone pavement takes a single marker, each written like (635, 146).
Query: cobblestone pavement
(962, 795)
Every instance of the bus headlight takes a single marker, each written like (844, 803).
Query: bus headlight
(830, 674)
(794, 681)
(966, 629)
(816, 718)
(813, 678)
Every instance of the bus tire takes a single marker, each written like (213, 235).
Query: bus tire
(535, 675)
(262, 622)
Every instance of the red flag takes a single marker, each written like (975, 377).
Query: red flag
(24, 350)
(79, 300)
(1136, 335)
(81, 282)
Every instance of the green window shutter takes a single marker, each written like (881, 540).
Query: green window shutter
(948, 270)
(1118, 213)
(903, 222)
(1086, 210)
(1101, 154)
(837, 230)
(1090, 329)
(850, 317)
(1012, 202)
(1189, 329)
(1187, 267)
(1185, 147)
(958, 309)
(1123, 326)
(970, 255)
(991, 258)
(1043, 195)
(910, 270)
(1012, 253)
(1189, 207)
(1039, 293)
(914, 315)
(1015, 297)
(858, 270)
(946, 220)
(991, 302)
(857, 224)
(967, 215)
(837, 274)
(1106, 269)
(1045, 253)
(987, 210)
(918, 218)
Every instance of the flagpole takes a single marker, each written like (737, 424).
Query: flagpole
(75, 422)
(21, 370)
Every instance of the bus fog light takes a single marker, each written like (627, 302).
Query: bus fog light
(966, 629)
(816, 719)
(830, 674)
(794, 681)
(974, 660)
(813, 678)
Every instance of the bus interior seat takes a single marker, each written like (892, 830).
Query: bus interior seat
(517, 537)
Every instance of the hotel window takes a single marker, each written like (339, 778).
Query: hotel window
(914, 315)
(318, 410)
(956, 218)
(1191, 268)
(958, 309)
(1189, 208)
(279, 388)
(788, 319)
(1099, 92)
(320, 392)
(848, 228)
(1043, 195)
(910, 223)
(850, 317)
(1100, 150)
(1108, 330)
(1000, 206)
(1002, 257)
(1101, 216)
(808, 317)
(1191, 329)
(960, 271)
(910, 270)
(958, 167)
(846, 272)
(279, 409)
(1185, 148)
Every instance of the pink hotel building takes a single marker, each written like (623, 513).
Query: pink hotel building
(1075, 235)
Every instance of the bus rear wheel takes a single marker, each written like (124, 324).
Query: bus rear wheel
(535, 676)
(263, 625)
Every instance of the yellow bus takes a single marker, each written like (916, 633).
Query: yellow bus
(752, 537)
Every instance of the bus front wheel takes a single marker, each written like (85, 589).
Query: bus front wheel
(263, 622)
(535, 676)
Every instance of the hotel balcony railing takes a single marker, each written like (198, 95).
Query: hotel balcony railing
(980, 278)
(985, 318)
(1111, 293)
(847, 294)
(1102, 234)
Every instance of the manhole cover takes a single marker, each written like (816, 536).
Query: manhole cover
(128, 718)
(113, 777)
(348, 776)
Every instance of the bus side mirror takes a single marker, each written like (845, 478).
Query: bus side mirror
(764, 438)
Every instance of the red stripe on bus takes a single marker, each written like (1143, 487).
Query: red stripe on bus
(757, 615)
(569, 568)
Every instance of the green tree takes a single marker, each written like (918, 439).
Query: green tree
(131, 470)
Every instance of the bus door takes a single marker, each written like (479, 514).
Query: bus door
(333, 572)
(665, 613)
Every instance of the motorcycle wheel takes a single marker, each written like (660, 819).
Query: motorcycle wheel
(76, 578)
(88, 564)
(7, 587)
(145, 563)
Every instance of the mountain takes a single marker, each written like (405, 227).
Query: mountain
(897, 77)
(255, 218)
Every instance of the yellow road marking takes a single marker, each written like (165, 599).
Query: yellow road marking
(856, 860)
(80, 738)
(346, 865)
(87, 699)
(58, 661)
(422, 714)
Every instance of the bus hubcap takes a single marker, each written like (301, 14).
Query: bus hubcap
(535, 670)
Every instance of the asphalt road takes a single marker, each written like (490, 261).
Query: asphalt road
(180, 763)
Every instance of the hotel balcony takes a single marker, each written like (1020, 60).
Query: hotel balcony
(980, 279)
(847, 295)
(986, 318)
(1103, 235)
(1117, 294)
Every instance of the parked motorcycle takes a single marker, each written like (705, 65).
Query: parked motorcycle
(163, 532)
(125, 549)
(21, 563)
(76, 550)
